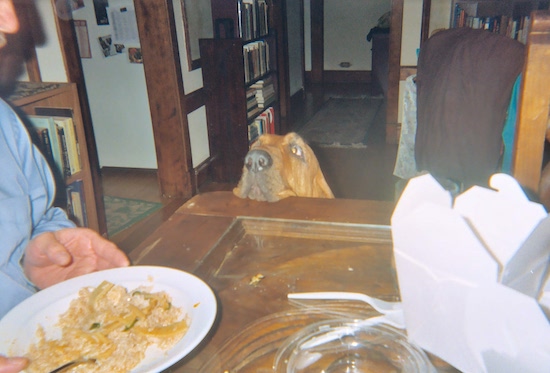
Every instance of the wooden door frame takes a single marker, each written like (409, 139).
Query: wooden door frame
(317, 60)
(279, 23)
(167, 100)
(393, 127)
(317, 14)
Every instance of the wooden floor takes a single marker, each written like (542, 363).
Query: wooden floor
(365, 173)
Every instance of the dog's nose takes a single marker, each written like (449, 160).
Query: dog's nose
(258, 160)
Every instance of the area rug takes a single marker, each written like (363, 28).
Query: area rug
(121, 213)
(342, 122)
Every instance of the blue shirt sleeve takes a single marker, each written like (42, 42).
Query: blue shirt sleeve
(27, 191)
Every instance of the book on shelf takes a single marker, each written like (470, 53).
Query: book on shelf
(263, 123)
(76, 203)
(46, 126)
(265, 92)
(63, 118)
(253, 132)
(269, 115)
(64, 152)
(256, 59)
(465, 15)
(251, 103)
(252, 18)
(67, 129)
(43, 143)
(250, 113)
(251, 100)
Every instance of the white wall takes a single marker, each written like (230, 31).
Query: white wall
(295, 48)
(440, 14)
(412, 23)
(192, 80)
(49, 54)
(346, 25)
(118, 100)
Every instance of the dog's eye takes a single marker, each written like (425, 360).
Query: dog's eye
(297, 151)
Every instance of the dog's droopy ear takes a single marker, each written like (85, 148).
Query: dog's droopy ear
(317, 186)
(325, 190)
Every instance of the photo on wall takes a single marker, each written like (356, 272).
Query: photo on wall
(100, 7)
(135, 56)
(82, 37)
(107, 47)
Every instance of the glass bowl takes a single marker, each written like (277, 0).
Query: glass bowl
(351, 346)
(254, 348)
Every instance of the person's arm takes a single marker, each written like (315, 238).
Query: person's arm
(27, 192)
(29, 225)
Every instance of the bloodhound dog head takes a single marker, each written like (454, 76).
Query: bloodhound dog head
(277, 167)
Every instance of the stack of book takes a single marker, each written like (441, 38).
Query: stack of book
(76, 204)
(265, 92)
(252, 107)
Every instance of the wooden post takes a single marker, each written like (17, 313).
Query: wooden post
(534, 101)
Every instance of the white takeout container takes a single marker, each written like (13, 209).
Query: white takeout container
(473, 276)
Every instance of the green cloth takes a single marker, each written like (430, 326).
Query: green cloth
(508, 133)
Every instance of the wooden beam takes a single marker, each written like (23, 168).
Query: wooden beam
(394, 60)
(317, 40)
(532, 119)
(425, 29)
(159, 45)
(279, 23)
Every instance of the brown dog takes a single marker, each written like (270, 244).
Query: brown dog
(277, 167)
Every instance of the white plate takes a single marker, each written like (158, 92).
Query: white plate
(18, 327)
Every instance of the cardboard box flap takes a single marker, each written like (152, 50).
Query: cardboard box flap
(528, 268)
(449, 262)
(503, 217)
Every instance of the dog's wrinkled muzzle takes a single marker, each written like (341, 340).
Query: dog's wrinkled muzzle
(258, 160)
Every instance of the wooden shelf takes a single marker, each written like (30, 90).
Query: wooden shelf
(225, 85)
(507, 17)
(30, 95)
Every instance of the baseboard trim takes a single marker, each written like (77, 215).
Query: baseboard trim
(128, 169)
(203, 173)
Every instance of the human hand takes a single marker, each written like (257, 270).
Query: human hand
(12, 364)
(53, 257)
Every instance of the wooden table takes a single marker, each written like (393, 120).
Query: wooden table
(253, 254)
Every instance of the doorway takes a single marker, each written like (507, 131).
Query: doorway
(317, 73)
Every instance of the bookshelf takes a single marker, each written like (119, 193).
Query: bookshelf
(54, 103)
(507, 17)
(240, 81)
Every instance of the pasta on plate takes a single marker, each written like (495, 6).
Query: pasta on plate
(112, 326)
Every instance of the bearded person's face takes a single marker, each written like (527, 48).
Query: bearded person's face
(12, 63)
(18, 38)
